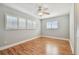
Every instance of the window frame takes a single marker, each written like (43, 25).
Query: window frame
(52, 24)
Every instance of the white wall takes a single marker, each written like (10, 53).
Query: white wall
(72, 28)
(61, 32)
(77, 28)
(9, 37)
(1, 28)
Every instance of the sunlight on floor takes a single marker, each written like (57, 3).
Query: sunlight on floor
(51, 49)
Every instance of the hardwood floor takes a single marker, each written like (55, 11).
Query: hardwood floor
(40, 46)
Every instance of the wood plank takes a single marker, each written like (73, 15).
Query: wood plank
(39, 46)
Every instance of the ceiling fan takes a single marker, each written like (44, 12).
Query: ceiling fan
(42, 10)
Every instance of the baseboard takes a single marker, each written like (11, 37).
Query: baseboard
(56, 38)
(73, 52)
(8, 46)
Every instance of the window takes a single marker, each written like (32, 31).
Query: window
(49, 25)
(34, 24)
(52, 25)
(22, 23)
(29, 24)
(11, 22)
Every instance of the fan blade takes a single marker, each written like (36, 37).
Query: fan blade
(46, 13)
(45, 8)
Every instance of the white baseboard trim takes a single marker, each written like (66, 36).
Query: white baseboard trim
(56, 38)
(14, 44)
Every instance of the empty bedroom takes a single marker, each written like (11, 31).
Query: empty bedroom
(37, 29)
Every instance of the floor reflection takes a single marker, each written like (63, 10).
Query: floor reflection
(51, 49)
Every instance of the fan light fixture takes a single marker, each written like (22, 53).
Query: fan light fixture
(42, 10)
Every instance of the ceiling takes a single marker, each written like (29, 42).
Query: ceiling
(54, 9)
